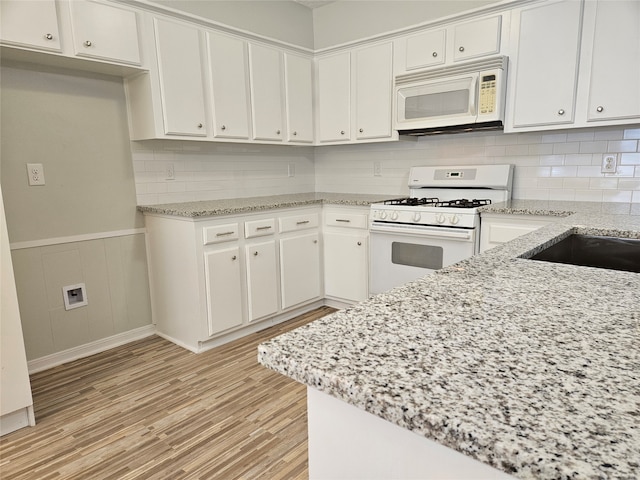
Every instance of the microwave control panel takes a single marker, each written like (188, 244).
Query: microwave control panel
(487, 94)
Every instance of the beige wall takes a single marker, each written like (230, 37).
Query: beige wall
(287, 21)
(349, 20)
(75, 124)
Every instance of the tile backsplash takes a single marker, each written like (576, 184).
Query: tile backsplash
(557, 165)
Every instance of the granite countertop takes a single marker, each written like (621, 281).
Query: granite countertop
(531, 367)
(560, 208)
(229, 206)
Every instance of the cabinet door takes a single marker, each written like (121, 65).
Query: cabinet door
(299, 98)
(614, 91)
(224, 292)
(334, 97)
(475, 39)
(547, 61)
(262, 279)
(373, 91)
(266, 77)
(30, 24)
(299, 269)
(104, 31)
(229, 76)
(425, 49)
(346, 266)
(181, 85)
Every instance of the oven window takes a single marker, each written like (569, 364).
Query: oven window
(415, 255)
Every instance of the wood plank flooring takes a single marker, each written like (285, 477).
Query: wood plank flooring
(152, 410)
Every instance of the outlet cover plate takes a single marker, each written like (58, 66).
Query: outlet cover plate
(35, 172)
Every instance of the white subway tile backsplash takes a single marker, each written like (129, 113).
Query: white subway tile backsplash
(560, 165)
(623, 146)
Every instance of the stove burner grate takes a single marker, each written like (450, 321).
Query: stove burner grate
(464, 203)
(412, 201)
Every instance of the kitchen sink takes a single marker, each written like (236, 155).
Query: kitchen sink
(594, 251)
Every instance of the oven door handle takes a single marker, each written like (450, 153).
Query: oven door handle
(426, 232)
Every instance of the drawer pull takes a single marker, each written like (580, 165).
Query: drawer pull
(302, 222)
(223, 234)
(264, 228)
(343, 220)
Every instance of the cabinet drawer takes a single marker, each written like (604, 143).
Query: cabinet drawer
(349, 220)
(298, 222)
(258, 228)
(220, 233)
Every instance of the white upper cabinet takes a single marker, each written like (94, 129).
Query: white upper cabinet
(299, 98)
(334, 98)
(426, 49)
(180, 75)
(373, 91)
(32, 24)
(477, 38)
(449, 44)
(543, 85)
(228, 70)
(105, 32)
(614, 88)
(575, 64)
(355, 95)
(267, 83)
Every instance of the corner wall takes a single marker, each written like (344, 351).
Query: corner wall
(82, 225)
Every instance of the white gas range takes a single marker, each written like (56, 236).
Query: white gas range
(437, 225)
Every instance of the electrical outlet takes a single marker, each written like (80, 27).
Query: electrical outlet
(609, 163)
(377, 169)
(169, 173)
(35, 172)
(292, 170)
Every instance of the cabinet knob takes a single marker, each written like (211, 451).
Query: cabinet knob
(223, 127)
(600, 109)
(315, 241)
(359, 244)
(461, 49)
(361, 130)
(255, 254)
(277, 132)
(199, 125)
(48, 36)
(341, 132)
(295, 133)
(234, 257)
(434, 54)
(561, 112)
(87, 43)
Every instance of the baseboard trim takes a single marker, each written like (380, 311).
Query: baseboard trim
(55, 359)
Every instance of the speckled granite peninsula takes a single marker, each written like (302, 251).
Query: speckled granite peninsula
(231, 206)
(531, 367)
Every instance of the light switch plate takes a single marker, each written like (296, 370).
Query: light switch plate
(35, 172)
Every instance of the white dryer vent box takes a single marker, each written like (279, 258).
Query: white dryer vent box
(74, 296)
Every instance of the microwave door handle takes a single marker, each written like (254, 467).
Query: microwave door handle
(473, 96)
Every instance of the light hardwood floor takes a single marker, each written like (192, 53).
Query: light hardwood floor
(153, 410)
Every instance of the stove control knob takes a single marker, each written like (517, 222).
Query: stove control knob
(454, 219)
(440, 218)
(383, 215)
(394, 216)
(416, 217)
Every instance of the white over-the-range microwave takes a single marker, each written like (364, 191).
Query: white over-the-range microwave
(458, 98)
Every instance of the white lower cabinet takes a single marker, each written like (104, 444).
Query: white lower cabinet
(346, 254)
(219, 278)
(262, 279)
(496, 229)
(224, 289)
(300, 269)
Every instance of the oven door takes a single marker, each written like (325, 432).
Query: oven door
(401, 254)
